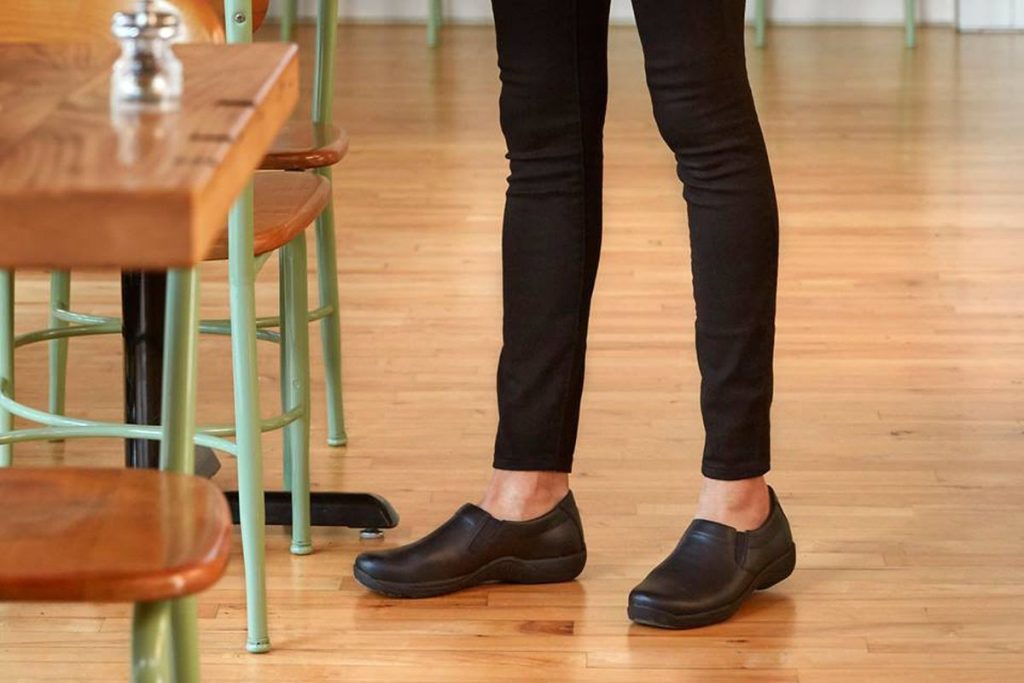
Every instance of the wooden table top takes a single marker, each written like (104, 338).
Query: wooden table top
(83, 188)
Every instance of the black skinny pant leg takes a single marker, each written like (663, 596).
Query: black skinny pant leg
(552, 55)
(553, 60)
(696, 72)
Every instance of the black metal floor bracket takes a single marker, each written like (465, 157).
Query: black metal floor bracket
(327, 508)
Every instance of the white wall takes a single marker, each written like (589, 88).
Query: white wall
(968, 14)
(857, 11)
(975, 15)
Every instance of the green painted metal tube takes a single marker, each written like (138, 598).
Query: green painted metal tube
(260, 261)
(241, 276)
(73, 427)
(210, 325)
(185, 639)
(284, 368)
(108, 432)
(214, 326)
(321, 312)
(178, 408)
(327, 259)
(60, 297)
(66, 332)
(295, 387)
(223, 328)
(760, 22)
(910, 23)
(151, 646)
(247, 417)
(6, 358)
(238, 17)
(289, 17)
(435, 19)
(323, 67)
(68, 316)
(330, 325)
(268, 424)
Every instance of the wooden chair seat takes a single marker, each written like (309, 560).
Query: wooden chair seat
(109, 535)
(303, 145)
(284, 206)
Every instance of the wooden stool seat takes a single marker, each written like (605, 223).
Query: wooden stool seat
(285, 204)
(109, 535)
(303, 145)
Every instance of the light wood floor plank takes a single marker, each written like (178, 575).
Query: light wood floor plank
(899, 431)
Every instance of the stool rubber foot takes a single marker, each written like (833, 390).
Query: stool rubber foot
(258, 647)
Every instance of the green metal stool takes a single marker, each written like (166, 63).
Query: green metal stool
(328, 309)
(172, 541)
(435, 19)
(164, 627)
(244, 329)
(248, 427)
(180, 350)
(155, 619)
(909, 21)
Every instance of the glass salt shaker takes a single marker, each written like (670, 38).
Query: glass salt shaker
(147, 75)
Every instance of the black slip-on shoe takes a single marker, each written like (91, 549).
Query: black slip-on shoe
(713, 570)
(473, 548)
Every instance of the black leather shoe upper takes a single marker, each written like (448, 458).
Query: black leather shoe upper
(715, 566)
(471, 539)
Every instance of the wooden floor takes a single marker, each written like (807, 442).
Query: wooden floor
(899, 418)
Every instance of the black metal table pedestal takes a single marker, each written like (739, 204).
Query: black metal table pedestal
(143, 296)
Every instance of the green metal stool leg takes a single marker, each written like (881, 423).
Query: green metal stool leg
(178, 421)
(185, 639)
(6, 356)
(247, 417)
(289, 16)
(910, 23)
(330, 325)
(242, 276)
(295, 381)
(60, 297)
(151, 647)
(434, 21)
(178, 407)
(327, 259)
(760, 22)
(283, 367)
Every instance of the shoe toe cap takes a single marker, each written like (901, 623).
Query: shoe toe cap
(638, 597)
(675, 599)
(374, 565)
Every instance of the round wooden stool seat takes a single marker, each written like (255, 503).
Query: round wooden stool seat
(109, 535)
(302, 145)
(285, 205)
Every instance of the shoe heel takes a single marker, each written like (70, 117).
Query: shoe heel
(777, 570)
(553, 570)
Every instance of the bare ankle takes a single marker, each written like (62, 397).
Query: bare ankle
(519, 496)
(743, 504)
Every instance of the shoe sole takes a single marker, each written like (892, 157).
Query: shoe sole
(501, 570)
(777, 571)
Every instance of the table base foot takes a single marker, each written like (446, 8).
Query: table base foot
(327, 508)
